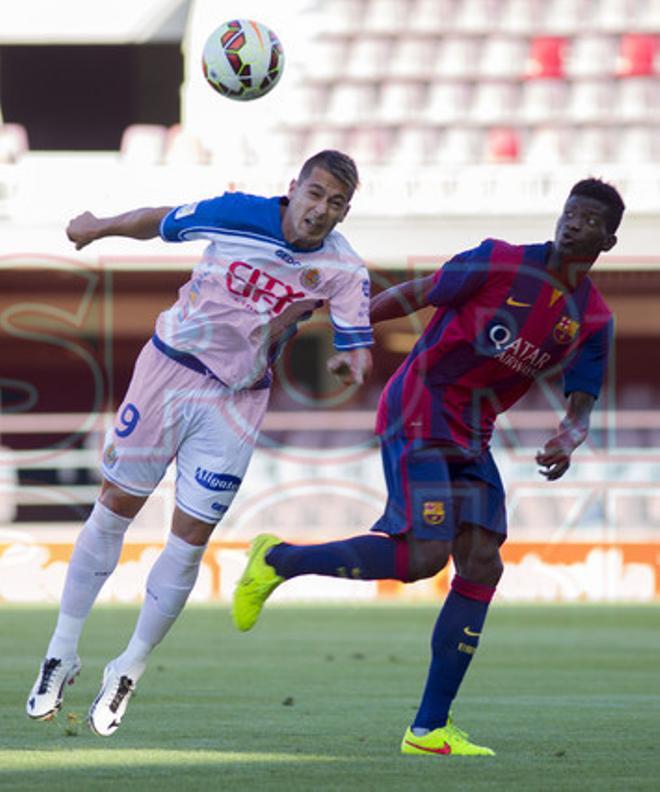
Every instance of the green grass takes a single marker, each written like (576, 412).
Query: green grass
(318, 698)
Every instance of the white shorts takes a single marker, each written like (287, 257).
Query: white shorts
(172, 412)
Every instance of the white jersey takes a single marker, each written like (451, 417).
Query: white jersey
(245, 297)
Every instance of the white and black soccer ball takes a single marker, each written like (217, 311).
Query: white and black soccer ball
(243, 59)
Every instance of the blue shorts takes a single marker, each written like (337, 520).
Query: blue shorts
(432, 489)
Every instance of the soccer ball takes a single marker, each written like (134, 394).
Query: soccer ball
(243, 60)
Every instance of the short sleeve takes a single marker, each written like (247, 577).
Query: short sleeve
(461, 277)
(586, 371)
(349, 311)
(249, 214)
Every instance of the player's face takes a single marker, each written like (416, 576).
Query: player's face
(581, 231)
(316, 205)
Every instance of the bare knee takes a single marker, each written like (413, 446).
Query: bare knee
(118, 501)
(190, 529)
(487, 570)
(476, 554)
(426, 557)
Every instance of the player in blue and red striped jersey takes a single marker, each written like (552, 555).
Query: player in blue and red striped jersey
(506, 316)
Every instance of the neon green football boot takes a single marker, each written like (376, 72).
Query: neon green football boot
(257, 583)
(447, 741)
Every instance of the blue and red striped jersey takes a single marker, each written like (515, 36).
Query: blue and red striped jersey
(502, 321)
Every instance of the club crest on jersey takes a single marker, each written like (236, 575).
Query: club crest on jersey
(433, 512)
(565, 330)
(310, 278)
(110, 455)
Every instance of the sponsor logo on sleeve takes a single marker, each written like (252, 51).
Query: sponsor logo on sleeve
(185, 211)
(366, 287)
(217, 482)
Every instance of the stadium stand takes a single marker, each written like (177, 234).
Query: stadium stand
(448, 106)
(479, 63)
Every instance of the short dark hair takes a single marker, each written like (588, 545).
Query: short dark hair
(340, 165)
(604, 193)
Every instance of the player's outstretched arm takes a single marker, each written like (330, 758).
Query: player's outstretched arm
(352, 367)
(137, 224)
(401, 300)
(555, 458)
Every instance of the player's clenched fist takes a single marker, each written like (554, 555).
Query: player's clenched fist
(352, 367)
(83, 229)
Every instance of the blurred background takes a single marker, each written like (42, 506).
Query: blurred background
(467, 118)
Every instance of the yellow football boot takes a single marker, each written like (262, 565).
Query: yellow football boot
(447, 741)
(257, 583)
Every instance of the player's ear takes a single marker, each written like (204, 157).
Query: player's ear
(344, 213)
(610, 242)
(292, 188)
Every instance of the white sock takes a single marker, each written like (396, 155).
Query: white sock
(95, 555)
(169, 584)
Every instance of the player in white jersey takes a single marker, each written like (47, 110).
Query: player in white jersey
(199, 392)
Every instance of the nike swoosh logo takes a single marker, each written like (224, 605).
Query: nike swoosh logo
(469, 632)
(515, 304)
(446, 748)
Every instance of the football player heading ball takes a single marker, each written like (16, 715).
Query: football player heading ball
(199, 392)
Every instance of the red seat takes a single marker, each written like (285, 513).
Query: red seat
(502, 145)
(546, 58)
(636, 55)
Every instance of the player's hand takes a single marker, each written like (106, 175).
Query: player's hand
(555, 457)
(83, 229)
(352, 368)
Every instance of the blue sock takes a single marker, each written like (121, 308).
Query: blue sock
(367, 557)
(454, 642)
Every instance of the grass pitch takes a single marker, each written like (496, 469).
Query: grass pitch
(318, 699)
